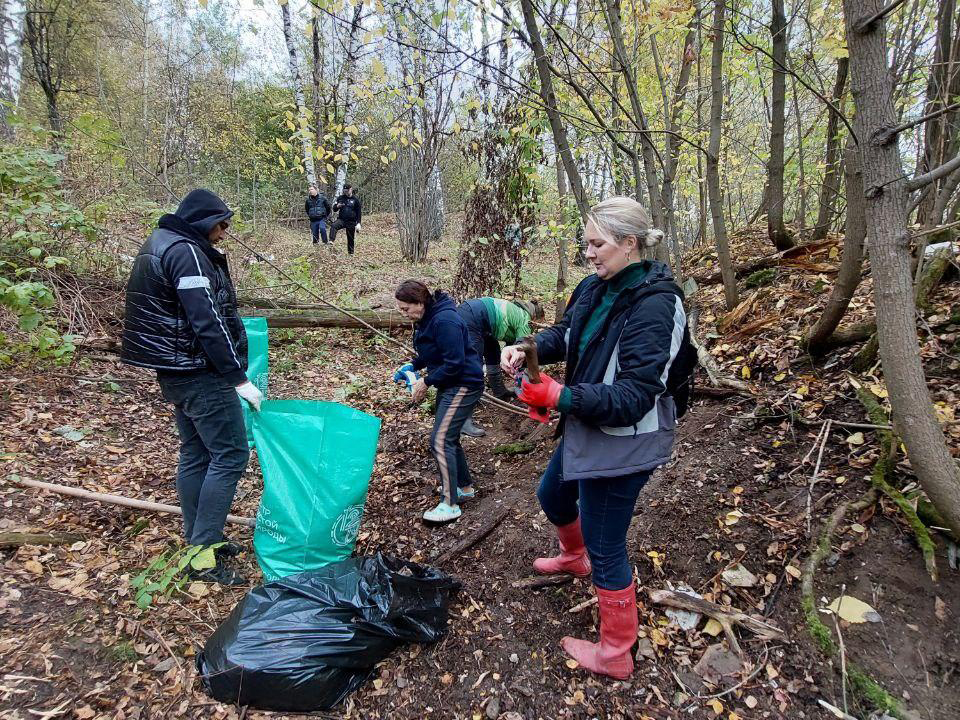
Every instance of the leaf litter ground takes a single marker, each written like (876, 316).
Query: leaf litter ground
(74, 644)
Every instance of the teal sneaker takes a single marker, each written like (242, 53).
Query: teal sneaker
(461, 493)
(442, 514)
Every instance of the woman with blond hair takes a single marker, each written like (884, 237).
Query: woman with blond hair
(620, 336)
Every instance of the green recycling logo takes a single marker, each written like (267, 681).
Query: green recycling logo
(345, 528)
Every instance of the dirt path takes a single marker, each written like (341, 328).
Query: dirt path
(73, 644)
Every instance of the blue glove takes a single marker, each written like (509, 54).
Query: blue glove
(405, 374)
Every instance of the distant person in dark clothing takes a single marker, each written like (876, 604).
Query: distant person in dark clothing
(348, 217)
(181, 319)
(318, 210)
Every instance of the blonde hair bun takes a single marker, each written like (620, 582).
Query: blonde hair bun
(653, 238)
(620, 217)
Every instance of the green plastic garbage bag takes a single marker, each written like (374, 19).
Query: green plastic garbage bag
(316, 458)
(257, 366)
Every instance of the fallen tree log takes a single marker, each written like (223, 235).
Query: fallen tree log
(320, 317)
(118, 499)
(769, 261)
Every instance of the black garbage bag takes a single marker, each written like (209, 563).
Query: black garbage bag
(306, 641)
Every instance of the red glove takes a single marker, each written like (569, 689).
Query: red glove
(541, 397)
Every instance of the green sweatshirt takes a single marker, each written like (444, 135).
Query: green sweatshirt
(630, 276)
(509, 322)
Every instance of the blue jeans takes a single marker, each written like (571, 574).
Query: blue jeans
(213, 450)
(319, 229)
(454, 407)
(605, 507)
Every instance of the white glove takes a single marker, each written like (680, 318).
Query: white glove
(251, 393)
(357, 227)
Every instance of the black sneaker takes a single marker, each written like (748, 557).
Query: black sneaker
(221, 573)
(229, 549)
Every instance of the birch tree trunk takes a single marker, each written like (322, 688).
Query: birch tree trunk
(713, 159)
(353, 46)
(303, 122)
(887, 199)
(12, 13)
(775, 227)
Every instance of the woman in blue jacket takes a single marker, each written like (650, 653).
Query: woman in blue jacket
(620, 335)
(455, 369)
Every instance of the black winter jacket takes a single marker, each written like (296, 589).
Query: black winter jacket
(621, 418)
(317, 208)
(443, 347)
(349, 207)
(181, 307)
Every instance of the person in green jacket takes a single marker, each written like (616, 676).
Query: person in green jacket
(491, 321)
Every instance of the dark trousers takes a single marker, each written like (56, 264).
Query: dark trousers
(350, 228)
(454, 406)
(319, 230)
(213, 450)
(605, 507)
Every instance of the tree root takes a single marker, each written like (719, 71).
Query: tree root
(717, 377)
(862, 684)
(883, 469)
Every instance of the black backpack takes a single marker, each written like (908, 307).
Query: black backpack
(682, 371)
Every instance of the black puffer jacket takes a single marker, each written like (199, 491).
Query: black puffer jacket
(181, 309)
(317, 208)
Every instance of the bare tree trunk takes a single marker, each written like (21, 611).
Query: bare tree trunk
(851, 261)
(801, 216)
(353, 46)
(830, 189)
(942, 85)
(12, 14)
(562, 248)
(303, 123)
(713, 158)
(886, 212)
(775, 227)
(647, 149)
(549, 99)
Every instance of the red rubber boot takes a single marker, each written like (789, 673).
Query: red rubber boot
(618, 632)
(572, 559)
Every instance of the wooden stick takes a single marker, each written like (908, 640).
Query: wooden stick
(533, 362)
(584, 605)
(538, 582)
(475, 537)
(119, 500)
(727, 617)
(15, 539)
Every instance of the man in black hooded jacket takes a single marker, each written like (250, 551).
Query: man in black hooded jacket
(181, 320)
(348, 217)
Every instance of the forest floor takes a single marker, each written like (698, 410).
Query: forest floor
(73, 644)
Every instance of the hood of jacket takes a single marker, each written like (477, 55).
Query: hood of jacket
(441, 302)
(196, 215)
